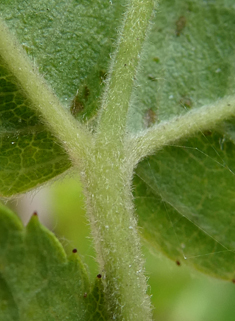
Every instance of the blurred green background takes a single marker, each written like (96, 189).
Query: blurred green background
(178, 293)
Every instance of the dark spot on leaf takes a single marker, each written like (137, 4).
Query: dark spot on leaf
(78, 103)
(74, 250)
(77, 106)
(86, 92)
(85, 295)
(178, 263)
(233, 280)
(180, 25)
(124, 65)
(99, 276)
(207, 133)
(186, 102)
(150, 118)
(151, 77)
(156, 59)
(35, 213)
(229, 105)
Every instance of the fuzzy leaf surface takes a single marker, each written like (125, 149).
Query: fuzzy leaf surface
(69, 43)
(38, 281)
(188, 60)
(185, 201)
(185, 192)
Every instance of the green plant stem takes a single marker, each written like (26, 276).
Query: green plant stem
(112, 121)
(107, 179)
(200, 119)
(74, 136)
(107, 182)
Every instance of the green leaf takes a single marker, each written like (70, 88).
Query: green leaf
(188, 60)
(96, 302)
(38, 281)
(70, 42)
(70, 45)
(29, 154)
(8, 307)
(185, 193)
(185, 201)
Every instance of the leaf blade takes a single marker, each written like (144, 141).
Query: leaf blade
(186, 193)
(42, 281)
(186, 184)
(71, 60)
(185, 70)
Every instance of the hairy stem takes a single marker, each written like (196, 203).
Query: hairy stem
(74, 136)
(112, 122)
(107, 182)
(165, 133)
(107, 179)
